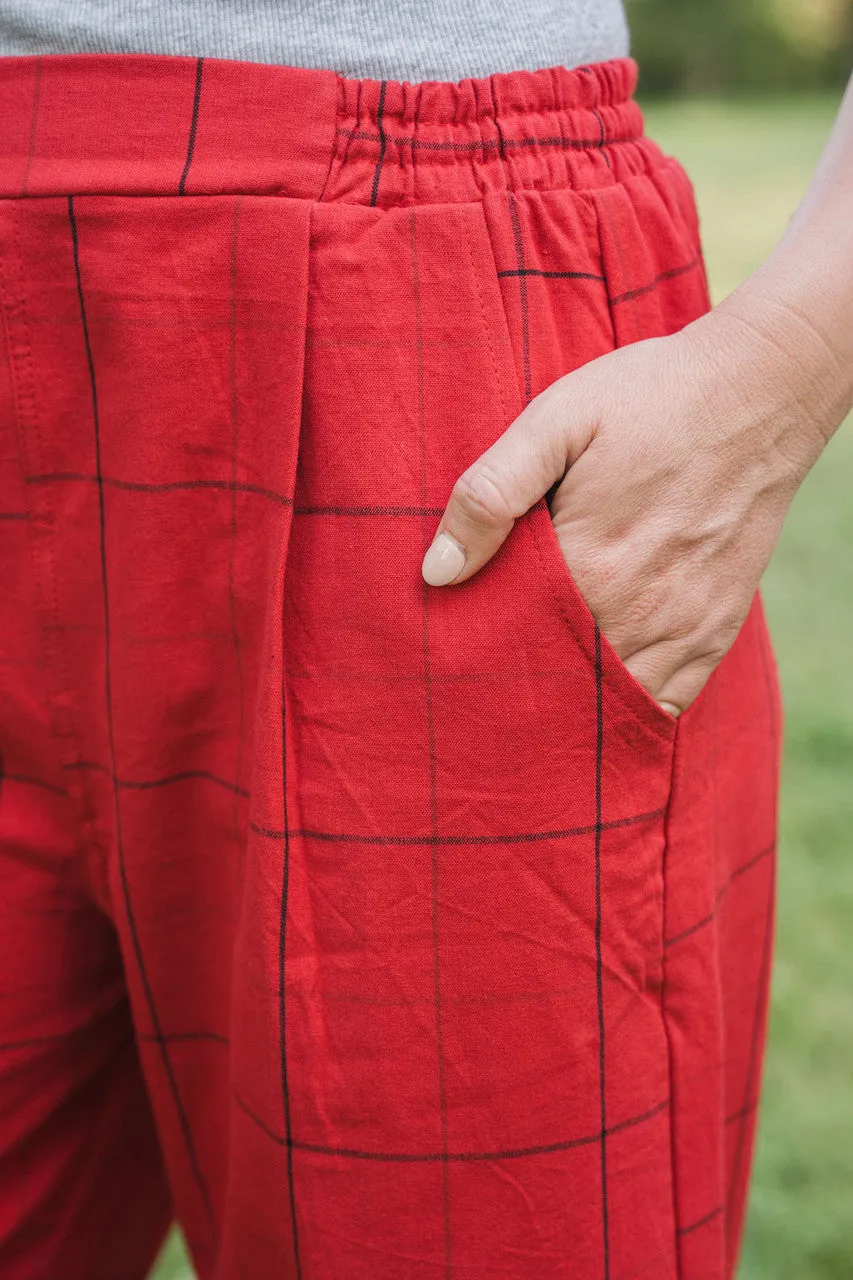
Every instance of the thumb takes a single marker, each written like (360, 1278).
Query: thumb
(532, 454)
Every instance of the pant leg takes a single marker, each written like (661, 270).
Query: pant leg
(82, 1188)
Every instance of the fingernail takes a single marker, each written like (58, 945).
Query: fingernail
(668, 706)
(444, 561)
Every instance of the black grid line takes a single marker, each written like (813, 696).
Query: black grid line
(632, 294)
(14, 515)
(603, 139)
(701, 1222)
(278, 1138)
(523, 272)
(232, 542)
(551, 275)
(432, 762)
(282, 965)
(167, 486)
(359, 676)
(499, 144)
(523, 300)
(721, 894)
(38, 1042)
(456, 1157)
(382, 142)
(25, 780)
(151, 784)
(497, 122)
(199, 68)
(169, 1037)
(349, 837)
(31, 146)
(120, 852)
(599, 962)
(742, 1112)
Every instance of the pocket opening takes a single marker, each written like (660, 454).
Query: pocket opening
(581, 620)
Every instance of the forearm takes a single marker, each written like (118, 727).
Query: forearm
(799, 303)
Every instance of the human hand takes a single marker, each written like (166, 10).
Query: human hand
(680, 458)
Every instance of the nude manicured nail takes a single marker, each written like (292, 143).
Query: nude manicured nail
(667, 706)
(444, 561)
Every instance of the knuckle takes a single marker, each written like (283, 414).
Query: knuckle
(480, 495)
(551, 407)
(718, 638)
(713, 652)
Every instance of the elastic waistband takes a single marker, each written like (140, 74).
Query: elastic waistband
(152, 124)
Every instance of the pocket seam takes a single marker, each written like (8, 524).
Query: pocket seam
(636, 700)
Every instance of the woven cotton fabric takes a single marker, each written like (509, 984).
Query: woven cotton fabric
(377, 931)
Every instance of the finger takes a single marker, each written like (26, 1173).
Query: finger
(500, 486)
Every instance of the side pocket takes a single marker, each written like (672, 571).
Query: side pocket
(563, 317)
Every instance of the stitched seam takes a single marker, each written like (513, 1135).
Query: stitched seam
(595, 205)
(499, 381)
(57, 683)
(673, 1156)
(642, 712)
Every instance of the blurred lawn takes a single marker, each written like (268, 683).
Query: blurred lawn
(750, 164)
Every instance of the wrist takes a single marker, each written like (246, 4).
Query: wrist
(779, 342)
(800, 301)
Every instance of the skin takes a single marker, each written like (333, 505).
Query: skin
(670, 507)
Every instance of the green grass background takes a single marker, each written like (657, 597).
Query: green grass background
(751, 163)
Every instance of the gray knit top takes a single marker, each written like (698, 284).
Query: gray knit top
(383, 39)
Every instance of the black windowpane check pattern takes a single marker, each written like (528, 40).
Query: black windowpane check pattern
(400, 921)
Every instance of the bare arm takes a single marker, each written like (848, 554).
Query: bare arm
(803, 293)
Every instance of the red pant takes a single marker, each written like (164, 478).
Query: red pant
(399, 925)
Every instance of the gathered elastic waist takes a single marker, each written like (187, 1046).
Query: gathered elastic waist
(152, 124)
